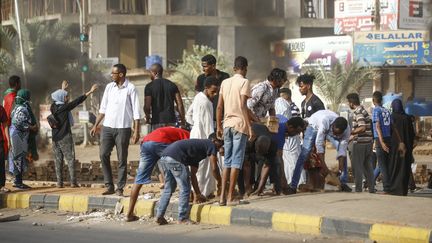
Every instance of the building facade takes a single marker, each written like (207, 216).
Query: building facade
(134, 29)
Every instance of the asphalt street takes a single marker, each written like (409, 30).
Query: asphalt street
(40, 226)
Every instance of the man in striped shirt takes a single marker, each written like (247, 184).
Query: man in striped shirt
(284, 105)
(360, 146)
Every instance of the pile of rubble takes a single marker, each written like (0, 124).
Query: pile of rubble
(83, 171)
(421, 175)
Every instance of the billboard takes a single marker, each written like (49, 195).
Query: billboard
(357, 15)
(414, 14)
(392, 48)
(295, 54)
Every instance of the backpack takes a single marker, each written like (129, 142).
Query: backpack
(53, 122)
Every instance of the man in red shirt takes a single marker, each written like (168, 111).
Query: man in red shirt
(152, 146)
(8, 102)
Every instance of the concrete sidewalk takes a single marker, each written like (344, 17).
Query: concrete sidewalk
(378, 217)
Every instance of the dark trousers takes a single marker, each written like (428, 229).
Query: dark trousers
(2, 166)
(120, 138)
(383, 161)
(360, 154)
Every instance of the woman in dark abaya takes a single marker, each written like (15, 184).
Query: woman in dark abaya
(401, 156)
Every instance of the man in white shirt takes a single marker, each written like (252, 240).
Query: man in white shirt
(120, 108)
(323, 125)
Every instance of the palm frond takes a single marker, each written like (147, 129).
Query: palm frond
(340, 80)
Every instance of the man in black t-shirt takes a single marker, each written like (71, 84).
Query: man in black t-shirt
(208, 63)
(160, 96)
(311, 103)
(176, 160)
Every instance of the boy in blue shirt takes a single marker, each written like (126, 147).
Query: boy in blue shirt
(381, 122)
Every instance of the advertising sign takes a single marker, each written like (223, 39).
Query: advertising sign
(104, 65)
(414, 14)
(357, 15)
(295, 54)
(392, 48)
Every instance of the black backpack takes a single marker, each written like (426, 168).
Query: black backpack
(53, 122)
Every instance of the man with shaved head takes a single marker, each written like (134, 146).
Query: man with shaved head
(160, 96)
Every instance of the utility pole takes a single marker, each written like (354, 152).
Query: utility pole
(377, 16)
(83, 62)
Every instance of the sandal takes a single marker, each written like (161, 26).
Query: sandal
(236, 203)
(224, 203)
(4, 189)
(257, 193)
(132, 218)
(161, 221)
(186, 222)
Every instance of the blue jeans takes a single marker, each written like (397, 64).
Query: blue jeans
(175, 173)
(307, 147)
(383, 161)
(150, 153)
(235, 147)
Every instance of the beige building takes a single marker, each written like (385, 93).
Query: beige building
(134, 29)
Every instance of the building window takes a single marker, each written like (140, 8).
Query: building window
(317, 9)
(192, 7)
(128, 6)
(259, 8)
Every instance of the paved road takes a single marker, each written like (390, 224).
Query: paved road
(55, 228)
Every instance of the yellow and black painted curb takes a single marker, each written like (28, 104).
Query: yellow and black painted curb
(211, 214)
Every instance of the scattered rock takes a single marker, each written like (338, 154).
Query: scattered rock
(118, 208)
(10, 218)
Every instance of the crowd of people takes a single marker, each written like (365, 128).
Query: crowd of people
(240, 138)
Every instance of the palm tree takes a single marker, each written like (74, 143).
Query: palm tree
(186, 72)
(335, 84)
(50, 52)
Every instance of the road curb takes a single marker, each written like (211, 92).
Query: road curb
(212, 214)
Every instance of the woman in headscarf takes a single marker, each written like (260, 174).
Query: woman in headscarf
(23, 122)
(63, 144)
(401, 153)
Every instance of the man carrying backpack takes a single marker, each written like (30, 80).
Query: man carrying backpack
(63, 144)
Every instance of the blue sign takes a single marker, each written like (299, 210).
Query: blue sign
(392, 49)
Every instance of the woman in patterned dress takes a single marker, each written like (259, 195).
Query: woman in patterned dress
(23, 121)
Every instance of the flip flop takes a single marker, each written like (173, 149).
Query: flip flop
(161, 221)
(222, 204)
(131, 219)
(186, 222)
(4, 189)
(236, 203)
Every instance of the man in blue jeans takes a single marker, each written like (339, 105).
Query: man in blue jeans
(152, 147)
(381, 122)
(236, 128)
(324, 125)
(175, 162)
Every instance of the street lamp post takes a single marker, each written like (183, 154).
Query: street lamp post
(18, 20)
(83, 38)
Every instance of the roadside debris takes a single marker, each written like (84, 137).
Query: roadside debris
(10, 218)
